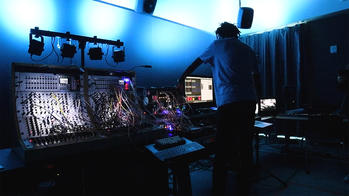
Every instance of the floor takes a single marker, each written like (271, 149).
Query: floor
(326, 174)
(328, 167)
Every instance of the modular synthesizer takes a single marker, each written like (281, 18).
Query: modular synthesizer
(57, 106)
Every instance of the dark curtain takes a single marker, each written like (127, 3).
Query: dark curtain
(279, 54)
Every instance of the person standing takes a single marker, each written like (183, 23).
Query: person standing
(234, 70)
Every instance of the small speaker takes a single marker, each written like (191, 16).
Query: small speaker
(245, 18)
(149, 6)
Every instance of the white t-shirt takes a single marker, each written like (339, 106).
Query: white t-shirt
(232, 64)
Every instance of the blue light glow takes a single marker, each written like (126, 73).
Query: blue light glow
(19, 16)
(201, 14)
(178, 111)
(127, 80)
(191, 13)
(270, 14)
(165, 39)
(267, 14)
(102, 20)
(169, 127)
(131, 4)
(225, 10)
(165, 112)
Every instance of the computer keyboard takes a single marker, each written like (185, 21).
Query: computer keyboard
(168, 142)
(178, 151)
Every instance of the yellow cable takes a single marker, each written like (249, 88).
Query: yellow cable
(59, 104)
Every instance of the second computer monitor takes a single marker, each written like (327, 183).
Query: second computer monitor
(267, 106)
(198, 89)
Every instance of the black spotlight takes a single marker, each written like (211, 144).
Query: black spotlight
(68, 50)
(36, 47)
(95, 53)
(119, 56)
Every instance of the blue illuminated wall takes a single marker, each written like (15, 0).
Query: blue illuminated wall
(167, 46)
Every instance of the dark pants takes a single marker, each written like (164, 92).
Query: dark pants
(235, 123)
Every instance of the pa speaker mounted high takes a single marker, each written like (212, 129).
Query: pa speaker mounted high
(146, 6)
(245, 18)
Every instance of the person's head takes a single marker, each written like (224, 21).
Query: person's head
(227, 30)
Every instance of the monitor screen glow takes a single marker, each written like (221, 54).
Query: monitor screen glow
(268, 106)
(198, 89)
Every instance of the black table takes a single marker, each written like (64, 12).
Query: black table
(179, 166)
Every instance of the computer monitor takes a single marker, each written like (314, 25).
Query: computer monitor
(267, 106)
(198, 89)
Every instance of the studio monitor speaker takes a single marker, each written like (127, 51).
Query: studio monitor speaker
(148, 6)
(245, 17)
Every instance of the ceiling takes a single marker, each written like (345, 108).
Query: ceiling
(208, 14)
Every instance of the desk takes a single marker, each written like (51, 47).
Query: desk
(292, 117)
(179, 166)
(315, 116)
(259, 125)
(313, 128)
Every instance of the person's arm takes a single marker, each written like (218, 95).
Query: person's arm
(190, 70)
(206, 57)
(180, 84)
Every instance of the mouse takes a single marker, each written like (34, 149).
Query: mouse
(2, 167)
